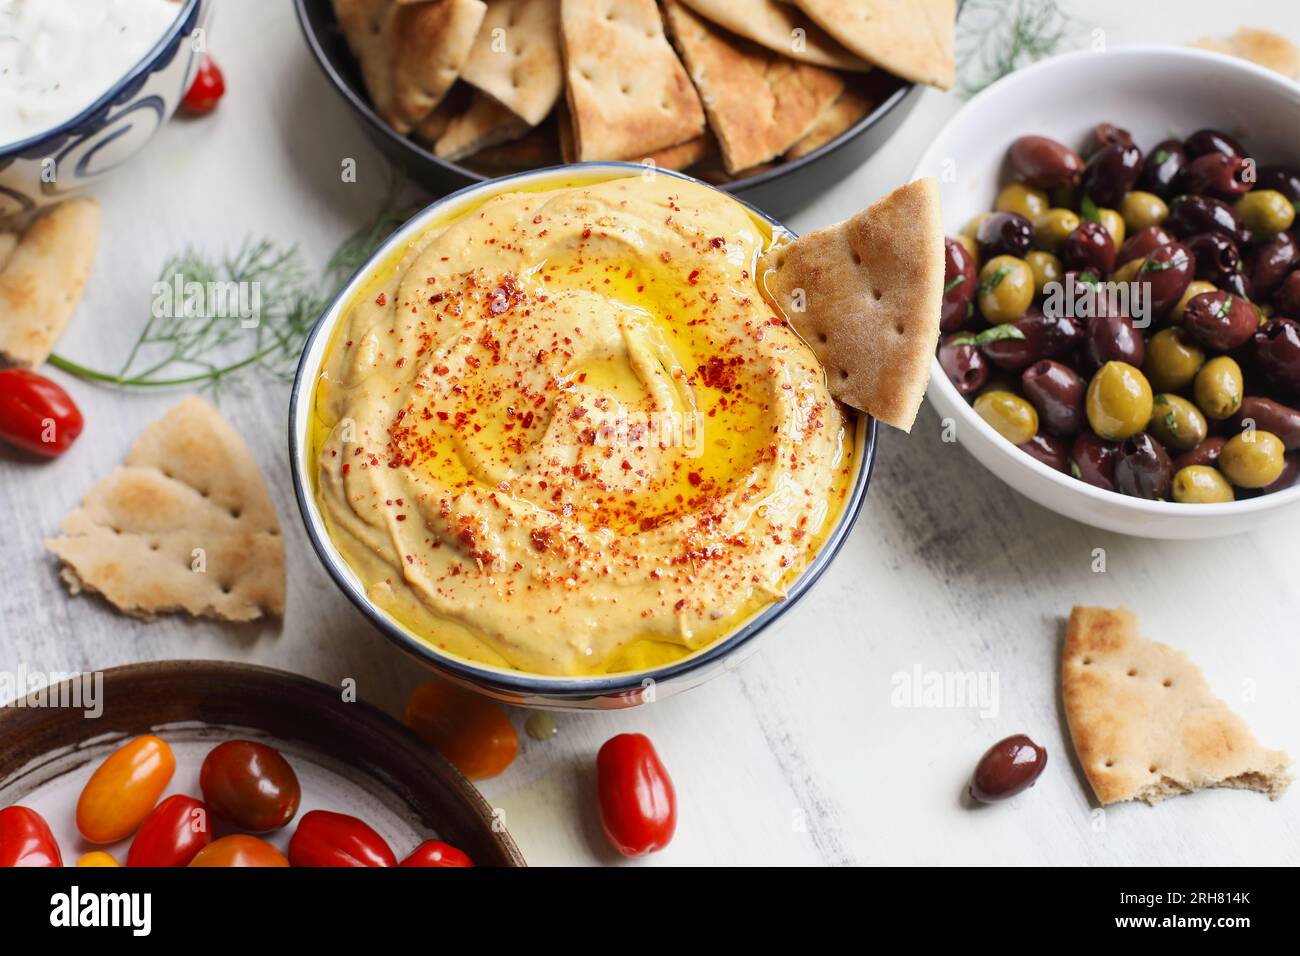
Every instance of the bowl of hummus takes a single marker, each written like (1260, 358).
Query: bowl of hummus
(557, 442)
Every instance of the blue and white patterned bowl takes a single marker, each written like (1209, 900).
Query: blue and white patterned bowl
(50, 166)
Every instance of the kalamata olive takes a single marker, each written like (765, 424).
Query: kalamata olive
(1044, 336)
(1238, 283)
(1206, 453)
(1216, 255)
(1056, 390)
(1265, 414)
(1044, 162)
(959, 284)
(1113, 338)
(1093, 459)
(1282, 178)
(1287, 295)
(1111, 172)
(1162, 168)
(963, 363)
(1277, 352)
(1143, 469)
(1106, 134)
(1165, 275)
(1290, 472)
(1090, 247)
(1009, 767)
(1205, 141)
(1005, 234)
(1189, 215)
(1270, 262)
(1142, 243)
(1220, 320)
(1217, 175)
(1048, 449)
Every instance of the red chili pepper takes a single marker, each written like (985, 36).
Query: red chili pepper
(36, 414)
(436, 853)
(325, 838)
(172, 834)
(638, 806)
(26, 840)
(206, 90)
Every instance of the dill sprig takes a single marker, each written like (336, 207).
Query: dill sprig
(997, 37)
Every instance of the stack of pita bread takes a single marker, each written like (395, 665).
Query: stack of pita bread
(725, 86)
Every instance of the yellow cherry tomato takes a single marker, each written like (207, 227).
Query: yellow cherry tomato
(474, 733)
(96, 858)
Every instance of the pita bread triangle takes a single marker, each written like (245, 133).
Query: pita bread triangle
(185, 524)
(1145, 723)
(913, 39)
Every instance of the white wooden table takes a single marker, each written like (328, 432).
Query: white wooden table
(799, 755)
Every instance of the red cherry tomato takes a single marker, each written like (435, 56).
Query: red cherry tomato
(638, 806)
(172, 834)
(36, 414)
(125, 787)
(436, 853)
(206, 90)
(250, 785)
(239, 850)
(325, 838)
(26, 840)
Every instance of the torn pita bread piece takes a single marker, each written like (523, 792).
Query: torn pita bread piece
(185, 524)
(781, 27)
(1145, 723)
(43, 278)
(485, 123)
(758, 102)
(516, 57)
(1259, 46)
(628, 93)
(913, 39)
(847, 110)
(865, 295)
(539, 147)
(684, 155)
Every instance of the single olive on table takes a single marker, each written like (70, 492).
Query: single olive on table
(1133, 319)
(1009, 767)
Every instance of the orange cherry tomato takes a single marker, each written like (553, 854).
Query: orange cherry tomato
(239, 850)
(125, 787)
(436, 853)
(474, 733)
(96, 858)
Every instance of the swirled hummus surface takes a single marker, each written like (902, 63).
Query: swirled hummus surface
(565, 433)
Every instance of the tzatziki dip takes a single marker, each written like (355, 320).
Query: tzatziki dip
(57, 57)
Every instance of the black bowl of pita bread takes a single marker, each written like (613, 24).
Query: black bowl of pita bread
(771, 100)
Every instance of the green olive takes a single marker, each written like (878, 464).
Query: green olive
(1266, 211)
(1010, 415)
(1218, 388)
(1052, 227)
(1114, 224)
(1176, 422)
(1194, 288)
(1128, 271)
(1253, 459)
(970, 245)
(1172, 361)
(1119, 401)
(1006, 288)
(1141, 209)
(972, 227)
(1045, 267)
(1022, 199)
(1201, 485)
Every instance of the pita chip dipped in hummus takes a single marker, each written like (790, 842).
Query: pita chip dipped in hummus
(565, 430)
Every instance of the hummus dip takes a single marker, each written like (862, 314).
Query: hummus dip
(565, 433)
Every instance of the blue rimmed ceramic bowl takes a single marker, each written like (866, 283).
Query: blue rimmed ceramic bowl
(48, 167)
(614, 691)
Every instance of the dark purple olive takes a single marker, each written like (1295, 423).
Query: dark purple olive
(1268, 263)
(1217, 175)
(1283, 179)
(1106, 134)
(1048, 449)
(1111, 172)
(1287, 295)
(1007, 768)
(1206, 453)
(1270, 416)
(1057, 392)
(1143, 469)
(1162, 168)
(963, 363)
(1089, 247)
(1092, 459)
(1165, 274)
(1142, 243)
(1044, 336)
(959, 284)
(1277, 352)
(1112, 338)
(1189, 215)
(1239, 284)
(1216, 255)
(1005, 234)
(1205, 141)
(1290, 472)
(1220, 320)
(1044, 162)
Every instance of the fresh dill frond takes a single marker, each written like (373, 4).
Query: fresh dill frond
(998, 37)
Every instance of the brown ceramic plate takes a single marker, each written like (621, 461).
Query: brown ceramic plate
(349, 757)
